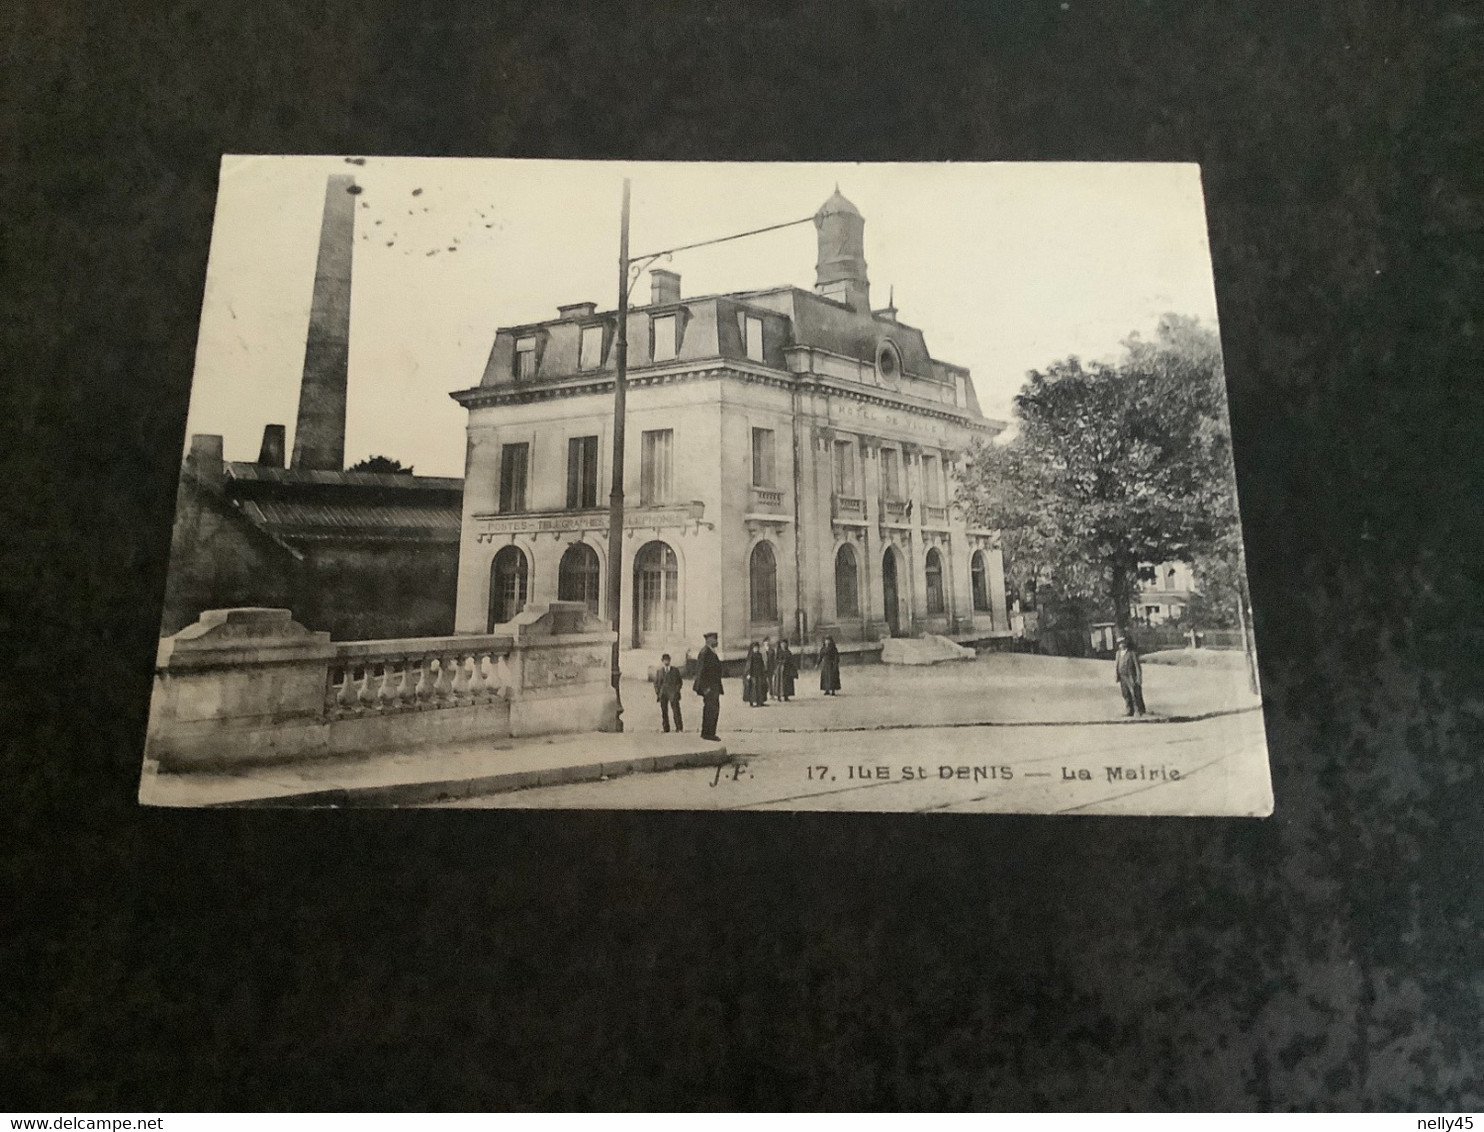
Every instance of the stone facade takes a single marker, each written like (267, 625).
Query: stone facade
(790, 460)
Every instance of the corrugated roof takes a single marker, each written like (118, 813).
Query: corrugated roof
(290, 519)
(248, 472)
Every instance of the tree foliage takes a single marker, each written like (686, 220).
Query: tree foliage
(384, 464)
(1113, 466)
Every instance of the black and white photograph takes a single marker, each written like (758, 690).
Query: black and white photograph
(927, 499)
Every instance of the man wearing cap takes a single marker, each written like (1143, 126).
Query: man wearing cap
(708, 687)
(1130, 676)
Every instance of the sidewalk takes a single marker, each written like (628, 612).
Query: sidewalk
(434, 774)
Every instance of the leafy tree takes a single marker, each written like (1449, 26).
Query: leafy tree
(1112, 467)
(381, 464)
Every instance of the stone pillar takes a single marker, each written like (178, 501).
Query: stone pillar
(960, 567)
(872, 600)
(234, 687)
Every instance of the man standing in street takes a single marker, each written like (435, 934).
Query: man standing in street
(667, 692)
(1130, 676)
(708, 687)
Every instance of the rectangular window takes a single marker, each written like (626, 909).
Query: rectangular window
(932, 480)
(664, 337)
(764, 470)
(514, 460)
(656, 467)
(582, 473)
(844, 468)
(590, 356)
(891, 474)
(525, 357)
(754, 338)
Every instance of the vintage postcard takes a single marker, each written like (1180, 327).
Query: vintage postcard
(890, 487)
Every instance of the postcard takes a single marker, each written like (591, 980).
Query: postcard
(626, 485)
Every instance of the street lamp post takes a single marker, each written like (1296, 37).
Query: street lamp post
(615, 495)
(626, 268)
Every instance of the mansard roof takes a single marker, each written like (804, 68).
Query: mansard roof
(711, 327)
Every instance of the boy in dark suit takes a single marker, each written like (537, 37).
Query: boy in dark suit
(667, 692)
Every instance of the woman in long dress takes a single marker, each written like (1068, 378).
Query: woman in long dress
(785, 669)
(829, 667)
(755, 678)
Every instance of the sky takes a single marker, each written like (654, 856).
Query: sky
(1004, 267)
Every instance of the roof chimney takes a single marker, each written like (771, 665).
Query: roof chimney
(840, 273)
(664, 287)
(577, 310)
(319, 435)
(270, 455)
(205, 457)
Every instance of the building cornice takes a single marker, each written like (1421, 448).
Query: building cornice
(481, 397)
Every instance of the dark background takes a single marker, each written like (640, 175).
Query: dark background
(1330, 956)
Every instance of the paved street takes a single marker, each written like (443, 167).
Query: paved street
(1007, 733)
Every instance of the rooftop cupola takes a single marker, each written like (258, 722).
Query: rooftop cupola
(840, 273)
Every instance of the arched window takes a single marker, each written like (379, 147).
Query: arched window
(979, 573)
(656, 593)
(507, 585)
(577, 576)
(847, 584)
(934, 581)
(763, 572)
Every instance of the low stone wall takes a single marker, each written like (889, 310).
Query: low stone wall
(246, 687)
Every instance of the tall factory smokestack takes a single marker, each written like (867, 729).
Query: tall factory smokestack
(319, 434)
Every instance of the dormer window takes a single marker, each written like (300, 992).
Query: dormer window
(754, 331)
(525, 357)
(591, 354)
(665, 327)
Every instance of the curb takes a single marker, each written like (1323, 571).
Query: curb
(1122, 721)
(449, 790)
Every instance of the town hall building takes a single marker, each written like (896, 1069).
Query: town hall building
(790, 465)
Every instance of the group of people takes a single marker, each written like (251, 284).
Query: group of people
(769, 671)
(773, 671)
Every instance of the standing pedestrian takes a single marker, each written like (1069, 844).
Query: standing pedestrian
(785, 669)
(1130, 675)
(829, 667)
(708, 687)
(667, 692)
(755, 677)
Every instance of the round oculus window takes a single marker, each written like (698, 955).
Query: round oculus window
(888, 362)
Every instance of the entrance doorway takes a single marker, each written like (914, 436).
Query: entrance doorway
(892, 606)
(507, 586)
(656, 595)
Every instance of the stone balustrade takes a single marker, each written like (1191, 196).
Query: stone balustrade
(767, 496)
(251, 686)
(935, 516)
(415, 675)
(850, 507)
(895, 510)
